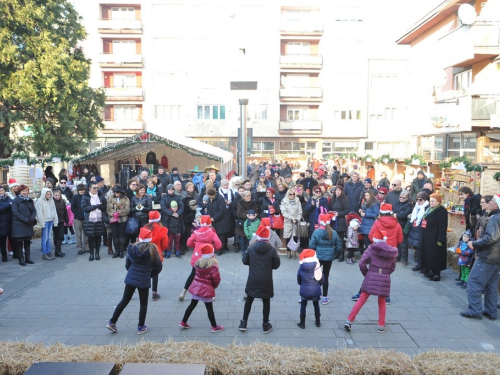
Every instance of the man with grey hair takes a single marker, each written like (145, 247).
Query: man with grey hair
(393, 196)
(178, 188)
(401, 210)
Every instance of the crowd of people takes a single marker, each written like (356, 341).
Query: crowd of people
(325, 212)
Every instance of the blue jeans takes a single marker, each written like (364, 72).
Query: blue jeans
(244, 243)
(483, 276)
(46, 236)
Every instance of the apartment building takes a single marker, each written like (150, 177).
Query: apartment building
(322, 86)
(455, 70)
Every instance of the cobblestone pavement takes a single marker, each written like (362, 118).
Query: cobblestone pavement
(70, 300)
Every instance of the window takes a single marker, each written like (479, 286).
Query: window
(211, 112)
(94, 145)
(297, 114)
(298, 147)
(122, 13)
(263, 147)
(124, 47)
(330, 147)
(390, 113)
(168, 112)
(125, 112)
(257, 112)
(462, 81)
(352, 114)
(298, 48)
(297, 81)
(124, 80)
(220, 143)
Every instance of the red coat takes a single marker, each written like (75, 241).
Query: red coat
(206, 280)
(391, 225)
(160, 238)
(202, 236)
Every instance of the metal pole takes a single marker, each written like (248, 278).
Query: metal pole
(243, 129)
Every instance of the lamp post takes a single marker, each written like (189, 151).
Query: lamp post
(243, 140)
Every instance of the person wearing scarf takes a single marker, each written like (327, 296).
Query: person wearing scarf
(93, 206)
(415, 234)
(435, 224)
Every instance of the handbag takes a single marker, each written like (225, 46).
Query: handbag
(132, 227)
(407, 227)
(292, 244)
(303, 228)
(277, 222)
(114, 219)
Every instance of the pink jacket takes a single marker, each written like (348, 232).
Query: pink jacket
(201, 236)
(70, 215)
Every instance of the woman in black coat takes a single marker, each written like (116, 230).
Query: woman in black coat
(49, 173)
(221, 222)
(245, 204)
(434, 238)
(416, 229)
(23, 220)
(5, 222)
(402, 209)
(262, 259)
(94, 207)
(339, 204)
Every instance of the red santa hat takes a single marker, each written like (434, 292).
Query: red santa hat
(205, 221)
(207, 251)
(13, 182)
(496, 197)
(309, 256)
(145, 235)
(154, 216)
(265, 222)
(386, 208)
(324, 219)
(263, 233)
(380, 236)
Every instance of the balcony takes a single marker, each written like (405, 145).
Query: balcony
(112, 60)
(300, 127)
(124, 93)
(120, 26)
(467, 45)
(126, 126)
(301, 94)
(301, 61)
(305, 28)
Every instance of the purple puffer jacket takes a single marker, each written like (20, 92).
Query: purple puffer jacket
(382, 259)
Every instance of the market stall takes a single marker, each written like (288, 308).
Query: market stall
(148, 151)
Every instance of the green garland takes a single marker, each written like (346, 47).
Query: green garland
(381, 160)
(469, 167)
(496, 176)
(420, 158)
(368, 156)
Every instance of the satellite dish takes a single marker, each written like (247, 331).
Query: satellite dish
(467, 14)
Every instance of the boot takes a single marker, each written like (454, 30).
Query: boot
(110, 246)
(65, 240)
(288, 254)
(4, 256)
(123, 248)
(117, 244)
(341, 257)
(21, 260)
(27, 255)
(318, 321)
(302, 323)
(91, 257)
(72, 240)
(58, 252)
(97, 249)
(183, 294)
(294, 254)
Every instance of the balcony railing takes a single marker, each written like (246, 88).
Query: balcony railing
(301, 61)
(464, 44)
(306, 27)
(123, 125)
(124, 93)
(301, 94)
(114, 59)
(120, 26)
(484, 108)
(301, 126)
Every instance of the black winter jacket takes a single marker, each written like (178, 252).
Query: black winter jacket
(402, 210)
(140, 268)
(262, 259)
(22, 211)
(471, 210)
(165, 207)
(5, 216)
(488, 247)
(341, 206)
(93, 229)
(76, 207)
(216, 209)
(353, 192)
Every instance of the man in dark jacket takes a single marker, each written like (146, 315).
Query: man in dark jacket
(216, 209)
(368, 186)
(484, 273)
(309, 182)
(82, 243)
(353, 190)
(472, 206)
(393, 196)
(165, 202)
(65, 190)
(262, 259)
(417, 185)
(335, 175)
(163, 178)
(401, 210)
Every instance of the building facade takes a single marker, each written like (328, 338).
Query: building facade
(322, 85)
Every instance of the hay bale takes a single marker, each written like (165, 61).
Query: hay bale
(257, 358)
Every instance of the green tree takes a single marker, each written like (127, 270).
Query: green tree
(46, 105)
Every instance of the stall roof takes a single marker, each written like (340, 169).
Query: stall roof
(146, 141)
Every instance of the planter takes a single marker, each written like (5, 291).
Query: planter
(415, 162)
(460, 166)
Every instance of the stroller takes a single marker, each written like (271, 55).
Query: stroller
(350, 217)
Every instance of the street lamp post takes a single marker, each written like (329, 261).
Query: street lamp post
(243, 132)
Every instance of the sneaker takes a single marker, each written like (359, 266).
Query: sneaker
(217, 328)
(141, 330)
(156, 296)
(112, 327)
(184, 325)
(388, 301)
(348, 325)
(381, 329)
(356, 297)
(404, 263)
(349, 261)
(178, 255)
(11, 253)
(353, 260)
(168, 255)
(460, 283)
(267, 327)
(325, 300)
(300, 300)
(47, 257)
(80, 252)
(243, 325)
